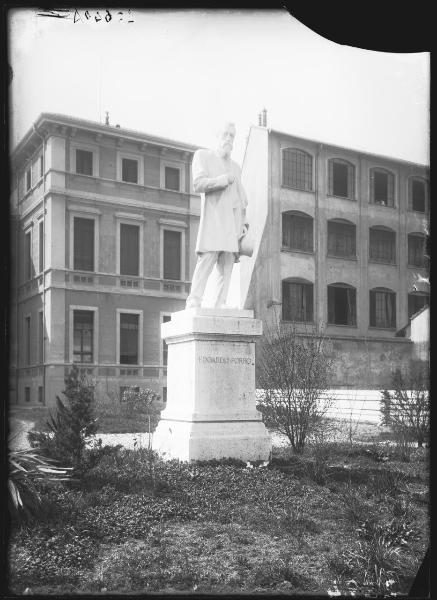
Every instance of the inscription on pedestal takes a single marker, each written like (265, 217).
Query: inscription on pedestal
(226, 360)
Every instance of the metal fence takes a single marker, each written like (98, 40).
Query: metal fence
(355, 405)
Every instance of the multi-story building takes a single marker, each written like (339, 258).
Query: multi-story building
(105, 225)
(340, 245)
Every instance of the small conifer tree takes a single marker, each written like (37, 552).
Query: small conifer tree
(72, 423)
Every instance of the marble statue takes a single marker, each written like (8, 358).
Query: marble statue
(223, 221)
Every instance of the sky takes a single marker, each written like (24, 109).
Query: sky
(181, 74)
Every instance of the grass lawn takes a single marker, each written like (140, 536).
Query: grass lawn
(334, 518)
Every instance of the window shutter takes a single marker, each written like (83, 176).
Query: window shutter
(351, 304)
(351, 181)
(83, 244)
(129, 170)
(418, 195)
(297, 169)
(372, 307)
(390, 189)
(286, 312)
(129, 338)
(172, 178)
(172, 254)
(28, 263)
(84, 162)
(129, 249)
(331, 177)
(309, 303)
(41, 246)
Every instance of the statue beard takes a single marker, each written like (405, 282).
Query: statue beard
(225, 150)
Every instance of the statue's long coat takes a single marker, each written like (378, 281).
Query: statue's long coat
(223, 209)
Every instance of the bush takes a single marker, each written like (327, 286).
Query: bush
(406, 410)
(93, 455)
(294, 376)
(27, 470)
(71, 425)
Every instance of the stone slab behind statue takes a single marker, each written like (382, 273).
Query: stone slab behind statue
(211, 412)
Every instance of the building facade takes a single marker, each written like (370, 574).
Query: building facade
(340, 246)
(104, 225)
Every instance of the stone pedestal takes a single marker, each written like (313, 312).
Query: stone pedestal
(210, 409)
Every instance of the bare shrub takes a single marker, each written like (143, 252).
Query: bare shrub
(143, 402)
(294, 372)
(406, 409)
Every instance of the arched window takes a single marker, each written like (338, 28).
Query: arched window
(342, 303)
(416, 250)
(418, 191)
(382, 245)
(297, 169)
(297, 300)
(416, 301)
(381, 187)
(297, 231)
(382, 305)
(342, 238)
(341, 178)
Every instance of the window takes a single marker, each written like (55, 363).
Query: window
(165, 319)
(83, 336)
(342, 305)
(172, 174)
(297, 169)
(381, 187)
(41, 246)
(129, 338)
(27, 394)
(41, 336)
(418, 194)
(84, 162)
(416, 250)
(129, 170)
(129, 249)
(382, 245)
(172, 254)
(40, 394)
(341, 239)
(297, 301)
(382, 308)
(41, 165)
(341, 178)
(172, 178)
(28, 263)
(83, 244)
(28, 179)
(297, 232)
(27, 339)
(416, 301)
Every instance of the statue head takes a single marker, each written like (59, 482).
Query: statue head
(225, 139)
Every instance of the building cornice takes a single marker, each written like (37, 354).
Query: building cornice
(364, 153)
(48, 124)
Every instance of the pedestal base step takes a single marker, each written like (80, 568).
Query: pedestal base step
(189, 441)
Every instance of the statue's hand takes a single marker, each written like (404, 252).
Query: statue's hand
(231, 179)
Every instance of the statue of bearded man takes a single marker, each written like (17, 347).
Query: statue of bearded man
(222, 218)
